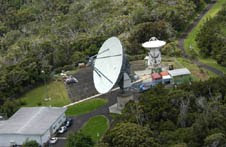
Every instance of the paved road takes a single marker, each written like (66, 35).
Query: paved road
(185, 34)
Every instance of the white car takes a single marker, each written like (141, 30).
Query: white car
(62, 129)
(53, 140)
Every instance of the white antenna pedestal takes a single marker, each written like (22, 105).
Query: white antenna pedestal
(125, 95)
(122, 100)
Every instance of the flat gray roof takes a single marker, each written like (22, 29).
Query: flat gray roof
(179, 72)
(31, 120)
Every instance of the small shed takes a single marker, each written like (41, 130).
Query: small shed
(166, 79)
(156, 76)
(164, 73)
(180, 76)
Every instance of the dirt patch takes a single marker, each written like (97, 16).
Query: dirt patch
(137, 65)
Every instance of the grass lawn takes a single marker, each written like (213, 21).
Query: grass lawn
(95, 127)
(213, 63)
(71, 72)
(190, 40)
(56, 91)
(85, 107)
(197, 72)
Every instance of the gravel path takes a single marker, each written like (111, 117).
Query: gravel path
(185, 34)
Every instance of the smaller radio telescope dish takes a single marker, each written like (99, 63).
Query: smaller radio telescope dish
(107, 65)
(154, 55)
(153, 43)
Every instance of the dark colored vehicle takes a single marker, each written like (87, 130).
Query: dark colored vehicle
(68, 122)
(71, 80)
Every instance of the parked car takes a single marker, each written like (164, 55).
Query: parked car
(53, 140)
(68, 122)
(62, 129)
(71, 80)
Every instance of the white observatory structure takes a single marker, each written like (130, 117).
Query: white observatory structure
(154, 56)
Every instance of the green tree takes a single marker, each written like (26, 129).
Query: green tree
(129, 134)
(212, 41)
(30, 143)
(79, 139)
(10, 107)
(215, 140)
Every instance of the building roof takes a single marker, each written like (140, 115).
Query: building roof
(166, 77)
(179, 72)
(156, 76)
(31, 120)
(164, 73)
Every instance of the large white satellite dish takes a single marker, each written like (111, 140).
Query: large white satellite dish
(108, 65)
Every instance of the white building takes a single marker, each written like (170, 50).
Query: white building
(31, 123)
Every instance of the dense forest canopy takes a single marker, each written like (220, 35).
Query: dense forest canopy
(187, 116)
(52, 35)
(212, 42)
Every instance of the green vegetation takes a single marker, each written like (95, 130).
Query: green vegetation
(213, 63)
(187, 115)
(198, 73)
(85, 107)
(30, 143)
(190, 40)
(212, 41)
(55, 91)
(90, 133)
(191, 45)
(78, 139)
(95, 127)
(131, 135)
(57, 35)
(10, 107)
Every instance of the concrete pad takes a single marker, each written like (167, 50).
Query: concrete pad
(143, 72)
(114, 109)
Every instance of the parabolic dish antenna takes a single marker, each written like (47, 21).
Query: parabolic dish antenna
(108, 65)
(153, 43)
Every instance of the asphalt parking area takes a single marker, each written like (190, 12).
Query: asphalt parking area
(85, 86)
